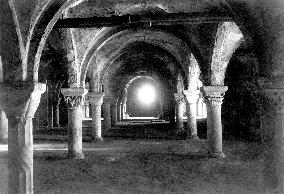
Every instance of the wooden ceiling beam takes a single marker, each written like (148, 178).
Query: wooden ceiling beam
(148, 20)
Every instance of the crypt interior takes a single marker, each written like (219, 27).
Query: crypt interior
(141, 96)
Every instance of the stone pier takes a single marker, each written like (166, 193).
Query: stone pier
(179, 98)
(119, 112)
(96, 100)
(113, 110)
(74, 98)
(124, 113)
(107, 113)
(20, 103)
(3, 127)
(87, 109)
(161, 110)
(214, 97)
(191, 97)
(272, 127)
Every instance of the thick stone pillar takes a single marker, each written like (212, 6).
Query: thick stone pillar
(87, 109)
(191, 97)
(51, 117)
(214, 97)
(272, 128)
(113, 109)
(3, 127)
(119, 112)
(171, 110)
(57, 113)
(20, 103)
(179, 111)
(74, 98)
(96, 100)
(107, 116)
(161, 110)
(124, 109)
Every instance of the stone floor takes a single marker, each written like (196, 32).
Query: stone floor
(125, 166)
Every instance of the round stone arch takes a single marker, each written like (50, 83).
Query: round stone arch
(43, 12)
(172, 64)
(228, 39)
(33, 62)
(108, 77)
(171, 43)
(129, 80)
(62, 6)
(252, 36)
(107, 32)
(166, 95)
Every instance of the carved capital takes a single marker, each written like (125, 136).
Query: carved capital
(273, 89)
(96, 98)
(21, 99)
(74, 97)
(214, 94)
(108, 99)
(191, 96)
(179, 97)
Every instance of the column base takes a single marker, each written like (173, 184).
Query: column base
(218, 155)
(179, 130)
(77, 156)
(193, 137)
(97, 139)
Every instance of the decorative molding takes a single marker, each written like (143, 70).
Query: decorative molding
(179, 97)
(74, 97)
(191, 96)
(214, 95)
(215, 91)
(108, 99)
(273, 89)
(21, 99)
(96, 98)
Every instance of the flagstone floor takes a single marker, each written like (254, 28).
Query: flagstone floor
(125, 166)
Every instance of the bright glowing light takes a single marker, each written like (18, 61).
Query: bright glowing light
(146, 94)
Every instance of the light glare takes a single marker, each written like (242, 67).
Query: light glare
(146, 94)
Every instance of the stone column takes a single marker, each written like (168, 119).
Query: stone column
(51, 124)
(214, 98)
(57, 113)
(179, 111)
(107, 117)
(3, 127)
(191, 97)
(161, 110)
(96, 100)
(20, 103)
(113, 109)
(74, 98)
(171, 110)
(124, 109)
(272, 128)
(119, 112)
(87, 109)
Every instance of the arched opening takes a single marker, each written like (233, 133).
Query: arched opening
(27, 27)
(143, 99)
